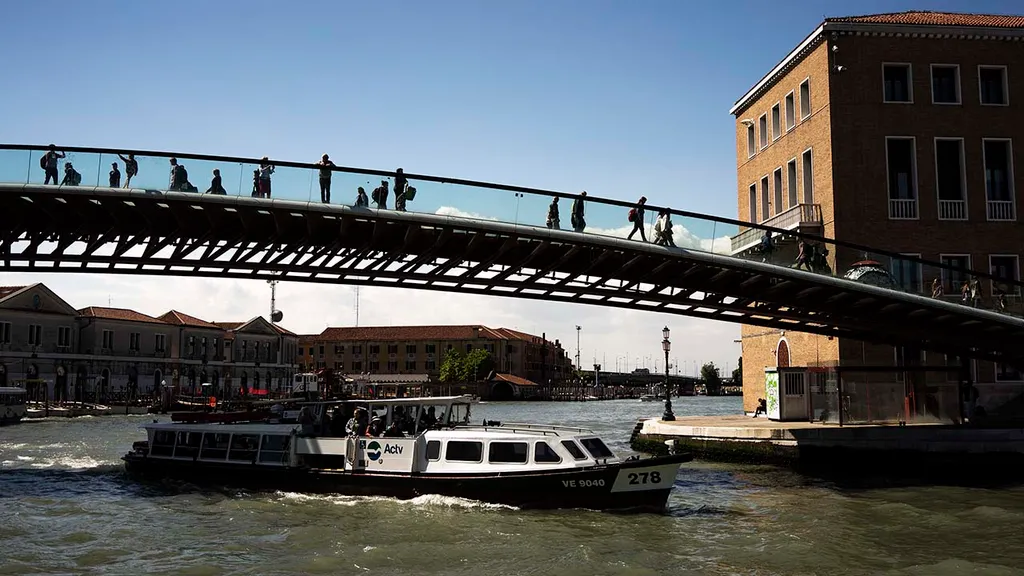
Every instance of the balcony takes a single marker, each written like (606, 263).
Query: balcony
(800, 217)
(1001, 210)
(902, 209)
(950, 210)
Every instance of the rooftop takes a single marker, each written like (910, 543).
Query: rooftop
(997, 25)
(6, 291)
(182, 319)
(118, 314)
(409, 333)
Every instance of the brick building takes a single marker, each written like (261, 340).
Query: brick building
(420, 350)
(895, 131)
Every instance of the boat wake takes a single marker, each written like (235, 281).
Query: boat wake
(427, 501)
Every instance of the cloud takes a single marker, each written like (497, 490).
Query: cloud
(609, 335)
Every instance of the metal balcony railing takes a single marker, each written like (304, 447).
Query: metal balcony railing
(903, 209)
(1001, 210)
(952, 210)
(796, 217)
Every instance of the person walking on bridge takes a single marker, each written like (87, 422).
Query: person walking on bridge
(49, 164)
(115, 176)
(576, 215)
(131, 168)
(325, 165)
(266, 169)
(636, 216)
(401, 187)
(553, 221)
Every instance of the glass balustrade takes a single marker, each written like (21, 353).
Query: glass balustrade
(459, 201)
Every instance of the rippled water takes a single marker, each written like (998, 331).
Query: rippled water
(68, 509)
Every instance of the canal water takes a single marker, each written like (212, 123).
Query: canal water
(66, 508)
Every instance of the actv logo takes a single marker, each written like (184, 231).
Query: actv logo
(373, 450)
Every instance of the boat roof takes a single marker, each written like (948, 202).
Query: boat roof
(224, 428)
(12, 389)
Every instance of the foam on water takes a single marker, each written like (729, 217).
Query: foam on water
(427, 500)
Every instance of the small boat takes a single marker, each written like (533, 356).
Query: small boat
(651, 398)
(13, 406)
(404, 448)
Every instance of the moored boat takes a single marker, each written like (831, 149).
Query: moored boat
(405, 448)
(13, 406)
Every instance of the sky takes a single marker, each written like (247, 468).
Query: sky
(618, 98)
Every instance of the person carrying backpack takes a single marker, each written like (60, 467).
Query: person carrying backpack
(48, 162)
(71, 176)
(636, 216)
(380, 195)
(179, 176)
(553, 221)
(576, 214)
(131, 168)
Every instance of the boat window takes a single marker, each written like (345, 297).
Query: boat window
(461, 451)
(507, 452)
(243, 447)
(574, 449)
(188, 444)
(596, 448)
(545, 454)
(163, 443)
(274, 449)
(215, 446)
(434, 450)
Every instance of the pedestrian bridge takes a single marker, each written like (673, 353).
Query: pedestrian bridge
(453, 245)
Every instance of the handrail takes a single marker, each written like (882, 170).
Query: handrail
(521, 189)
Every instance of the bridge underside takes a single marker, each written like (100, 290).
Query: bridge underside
(87, 230)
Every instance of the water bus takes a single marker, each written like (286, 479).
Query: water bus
(404, 448)
(13, 406)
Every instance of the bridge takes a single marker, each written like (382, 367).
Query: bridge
(146, 230)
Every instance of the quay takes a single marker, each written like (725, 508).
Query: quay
(932, 449)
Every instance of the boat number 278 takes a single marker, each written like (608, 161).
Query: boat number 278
(645, 478)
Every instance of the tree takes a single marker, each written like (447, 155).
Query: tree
(451, 367)
(737, 374)
(711, 379)
(477, 365)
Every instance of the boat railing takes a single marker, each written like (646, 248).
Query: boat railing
(536, 427)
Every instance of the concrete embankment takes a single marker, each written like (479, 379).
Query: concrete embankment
(926, 448)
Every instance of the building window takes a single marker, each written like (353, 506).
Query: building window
(950, 178)
(945, 84)
(410, 348)
(777, 188)
(357, 349)
(374, 349)
(953, 280)
(339, 366)
(5, 332)
(751, 141)
(392, 366)
(765, 204)
(900, 164)
(410, 365)
(64, 337)
(897, 85)
(35, 335)
(753, 202)
(808, 175)
(392, 348)
(805, 99)
(762, 126)
(1006, 271)
(790, 111)
(469, 348)
(311, 350)
(776, 122)
(374, 366)
(134, 339)
(108, 340)
(993, 86)
(791, 182)
(430, 348)
(907, 274)
(998, 179)
(160, 343)
(430, 365)
(1006, 373)
(320, 349)
(357, 366)
(338, 349)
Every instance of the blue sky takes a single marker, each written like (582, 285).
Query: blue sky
(618, 98)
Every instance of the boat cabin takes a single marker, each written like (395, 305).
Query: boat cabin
(386, 436)
(13, 404)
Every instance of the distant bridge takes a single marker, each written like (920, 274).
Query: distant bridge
(100, 230)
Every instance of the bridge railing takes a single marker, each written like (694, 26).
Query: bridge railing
(300, 181)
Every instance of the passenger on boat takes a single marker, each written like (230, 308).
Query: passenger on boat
(307, 420)
(427, 419)
(394, 430)
(356, 426)
(376, 427)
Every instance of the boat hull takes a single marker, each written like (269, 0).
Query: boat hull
(631, 486)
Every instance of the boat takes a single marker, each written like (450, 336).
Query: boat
(651, 398)
(13, 405)
(405, 448)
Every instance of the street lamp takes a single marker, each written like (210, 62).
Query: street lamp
(666, 345)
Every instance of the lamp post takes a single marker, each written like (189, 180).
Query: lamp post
(666, 345)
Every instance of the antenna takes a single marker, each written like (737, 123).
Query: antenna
(275, 314)
(357, 306)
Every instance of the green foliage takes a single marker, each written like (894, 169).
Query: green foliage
(737, 374)
(458, 368)
(711, 378)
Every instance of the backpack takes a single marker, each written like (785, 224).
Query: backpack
(182, 174)
(42, 160)
(632, 215)
(410, 193)
(375, 194)
(76, 178)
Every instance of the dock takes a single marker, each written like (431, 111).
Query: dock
(812, 445)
